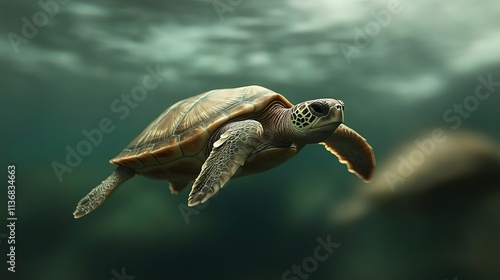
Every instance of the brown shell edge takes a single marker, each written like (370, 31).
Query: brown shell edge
(179, 146)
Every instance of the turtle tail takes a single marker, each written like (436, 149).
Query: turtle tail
(99, 194)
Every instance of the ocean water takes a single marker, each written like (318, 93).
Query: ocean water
(403, 68)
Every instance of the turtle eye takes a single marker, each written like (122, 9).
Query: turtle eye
(319, 109)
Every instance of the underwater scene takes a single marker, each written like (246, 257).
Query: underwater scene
(404, 95)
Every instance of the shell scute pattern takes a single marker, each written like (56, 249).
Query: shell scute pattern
(183, 129)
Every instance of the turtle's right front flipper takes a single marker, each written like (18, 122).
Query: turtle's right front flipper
(229, 152)
(352, 149)
(99, 194)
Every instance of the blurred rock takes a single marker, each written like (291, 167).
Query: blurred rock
(464, 168)
(442, 218)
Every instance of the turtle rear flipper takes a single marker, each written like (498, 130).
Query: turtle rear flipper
(99, 194)
(229, 152)
(353, 150)
(177, 186)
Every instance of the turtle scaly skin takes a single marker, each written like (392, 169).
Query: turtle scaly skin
(100, 193)
(217, 135)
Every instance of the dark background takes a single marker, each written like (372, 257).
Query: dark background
(397, 72)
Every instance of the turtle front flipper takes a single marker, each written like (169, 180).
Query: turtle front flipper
(229, 152)
(99, 194)
(353, 150)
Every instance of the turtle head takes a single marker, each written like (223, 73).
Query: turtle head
(314, 120)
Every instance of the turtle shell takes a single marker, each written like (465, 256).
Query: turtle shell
(175, 142)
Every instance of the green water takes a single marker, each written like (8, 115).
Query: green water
(72, 68)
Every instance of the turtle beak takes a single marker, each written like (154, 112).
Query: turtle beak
(336, 113)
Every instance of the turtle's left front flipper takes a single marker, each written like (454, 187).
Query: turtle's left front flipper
(229, 152)
(353, 150)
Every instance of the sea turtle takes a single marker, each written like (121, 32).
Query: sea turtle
(223, 133)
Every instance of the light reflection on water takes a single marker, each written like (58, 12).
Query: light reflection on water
(399, 66)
